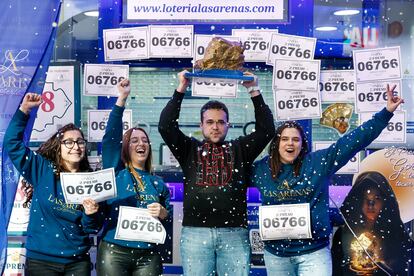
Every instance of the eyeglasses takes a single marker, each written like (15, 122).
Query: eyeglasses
(70, 143)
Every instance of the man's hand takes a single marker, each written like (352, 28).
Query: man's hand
(184, 82)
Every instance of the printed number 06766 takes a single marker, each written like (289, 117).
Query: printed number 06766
(284, 221)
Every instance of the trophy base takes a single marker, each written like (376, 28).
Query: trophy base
(219, 74)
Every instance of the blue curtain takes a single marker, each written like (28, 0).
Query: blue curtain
(28, 29)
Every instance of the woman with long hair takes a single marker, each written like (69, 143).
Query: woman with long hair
(131, 155)
(291, 175)
(372, 213)
(58, 233)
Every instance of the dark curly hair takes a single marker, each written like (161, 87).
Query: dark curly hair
(51, 151)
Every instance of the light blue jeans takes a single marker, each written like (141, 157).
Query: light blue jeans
(207, 251)
(318, 263)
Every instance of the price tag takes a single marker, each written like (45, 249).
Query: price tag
(350, 168)
(287, 221)
(395, 132)
(377, 64)
(99, 185)
(126, 43)
(97, 120)
(218, 88)
(201, 42)
(295, 105)
(173, 41)
(136, 224)
(102, 79)
(255, 43)
(284, 46)
(337, 86)
(296, 74)
(372, 96)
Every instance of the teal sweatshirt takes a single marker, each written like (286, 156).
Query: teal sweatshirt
(57, 232)
(155, 188)
(311, 185)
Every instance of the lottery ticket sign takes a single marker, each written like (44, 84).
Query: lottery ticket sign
(287, 221)
(372, 96)
(337, 86)
(377, 64)
(102, 79)
(174, 41)
(350, 168)
(136, 224)
(284, 46)
(297, 104)
(99, 185)
(98, 119)
(209, 87)
(396, 130)
(125, 43)
(296, 74)
(255, 43)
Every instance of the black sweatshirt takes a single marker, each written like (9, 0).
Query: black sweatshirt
(215, 174)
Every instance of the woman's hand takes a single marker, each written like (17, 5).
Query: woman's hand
(90, 206)
(30, 101)
(157, 210)
(393, 101)
(124, 89)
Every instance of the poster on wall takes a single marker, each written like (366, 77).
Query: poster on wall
(378, 204)
(16, 258)
(58, 106)
(19, 218)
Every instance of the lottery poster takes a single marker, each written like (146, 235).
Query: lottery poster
(58, 106)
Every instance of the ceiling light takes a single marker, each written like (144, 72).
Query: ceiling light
(346, 12)
(326, 28)
(92, 13)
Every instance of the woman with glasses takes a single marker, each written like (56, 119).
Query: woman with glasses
(130, 154)
(58, 233)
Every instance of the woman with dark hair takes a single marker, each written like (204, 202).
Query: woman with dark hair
(58, 233)
(371, 211)
(294, 188)
(136, 187)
